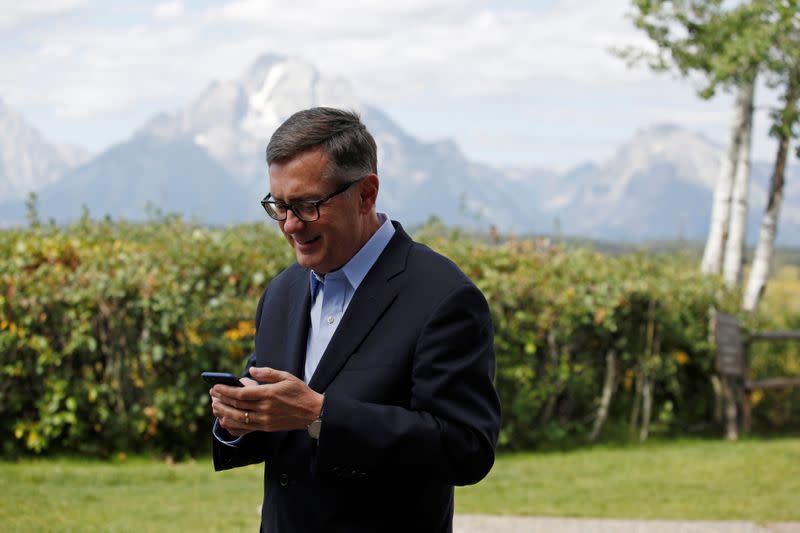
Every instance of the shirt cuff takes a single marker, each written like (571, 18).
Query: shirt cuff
(223, 436)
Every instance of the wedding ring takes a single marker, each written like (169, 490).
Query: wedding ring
(247, 417)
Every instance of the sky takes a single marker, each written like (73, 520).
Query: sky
(512, 82)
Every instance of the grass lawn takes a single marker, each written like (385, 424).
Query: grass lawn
(709, 480)
(750, 480)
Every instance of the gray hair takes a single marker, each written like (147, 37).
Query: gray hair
(350, 147)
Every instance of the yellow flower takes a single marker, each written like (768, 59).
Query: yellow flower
(599, 316)
(247, 327)
(244, 328)
(193, 337)
(681, 357)
(232, 334)
(33, 439)
(756, 396)
(628, 381)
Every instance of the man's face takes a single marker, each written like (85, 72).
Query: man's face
(328, 243)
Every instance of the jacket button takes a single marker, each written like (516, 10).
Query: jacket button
(284, 480)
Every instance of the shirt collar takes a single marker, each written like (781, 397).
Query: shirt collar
(355, 270)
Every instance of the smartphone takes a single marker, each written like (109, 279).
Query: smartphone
(222, 378)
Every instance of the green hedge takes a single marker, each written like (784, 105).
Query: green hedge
(105, 327)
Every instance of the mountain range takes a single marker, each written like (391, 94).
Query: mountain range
(206, 161)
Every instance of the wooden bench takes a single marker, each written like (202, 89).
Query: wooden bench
(733, 348)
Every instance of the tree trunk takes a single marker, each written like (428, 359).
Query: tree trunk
(558, 386)
(731, 409)
(737, 228)
(716, 385)
(721, 207)
(647, 408)
(605, 399)
(637, 401)
(647, 393)
(762, 262)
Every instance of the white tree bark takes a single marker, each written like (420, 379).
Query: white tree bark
(762, 262)
(721, 206)
(737, 228)
(605, 399)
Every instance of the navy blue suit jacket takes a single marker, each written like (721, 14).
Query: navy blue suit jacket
(410, 407)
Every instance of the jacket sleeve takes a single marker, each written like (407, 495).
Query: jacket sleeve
(252, 448)
(450, 428)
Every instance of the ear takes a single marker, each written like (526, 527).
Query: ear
(368, 192)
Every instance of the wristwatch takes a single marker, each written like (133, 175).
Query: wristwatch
(316, 426)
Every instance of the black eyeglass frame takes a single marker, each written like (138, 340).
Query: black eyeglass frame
(293, 207)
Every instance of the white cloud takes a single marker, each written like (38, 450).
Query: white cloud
(13, 13)
(552, 59)
(168, 10)
(389, 50)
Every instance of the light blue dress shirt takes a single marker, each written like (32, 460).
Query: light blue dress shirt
(330, 295)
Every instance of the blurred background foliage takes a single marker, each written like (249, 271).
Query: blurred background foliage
(105, 327)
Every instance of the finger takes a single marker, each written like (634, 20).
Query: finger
(241, 404)
(225, 390)
(219, 409)
(270, 375)
(249, 382)
(233, 419)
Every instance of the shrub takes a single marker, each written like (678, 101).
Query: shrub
(106, 326)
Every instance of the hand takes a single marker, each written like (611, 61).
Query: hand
(283, 403)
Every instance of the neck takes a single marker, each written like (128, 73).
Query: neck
(371, 225)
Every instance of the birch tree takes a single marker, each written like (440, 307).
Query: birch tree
(765, 247)
(723, 189)
(785, 65)
(725, 47)
(737, 225)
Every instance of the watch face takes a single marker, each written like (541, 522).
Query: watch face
(314, 428)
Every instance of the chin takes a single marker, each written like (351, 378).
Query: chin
(305, 261)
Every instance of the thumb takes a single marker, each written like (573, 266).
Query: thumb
(269, 375)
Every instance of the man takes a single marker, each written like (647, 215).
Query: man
(369, 394)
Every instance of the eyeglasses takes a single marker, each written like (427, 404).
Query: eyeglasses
(305, 210)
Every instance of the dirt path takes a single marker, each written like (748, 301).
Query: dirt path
(520, 524)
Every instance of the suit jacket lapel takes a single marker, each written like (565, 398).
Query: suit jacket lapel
(369, 302)
(299, 320)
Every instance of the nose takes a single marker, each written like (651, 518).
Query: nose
(292, 224)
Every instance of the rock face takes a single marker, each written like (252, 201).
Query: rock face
(659, 185)
(27, 161)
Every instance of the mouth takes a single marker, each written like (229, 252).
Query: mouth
(303, 245)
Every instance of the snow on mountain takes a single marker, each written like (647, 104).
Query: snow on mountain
(233, 120)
